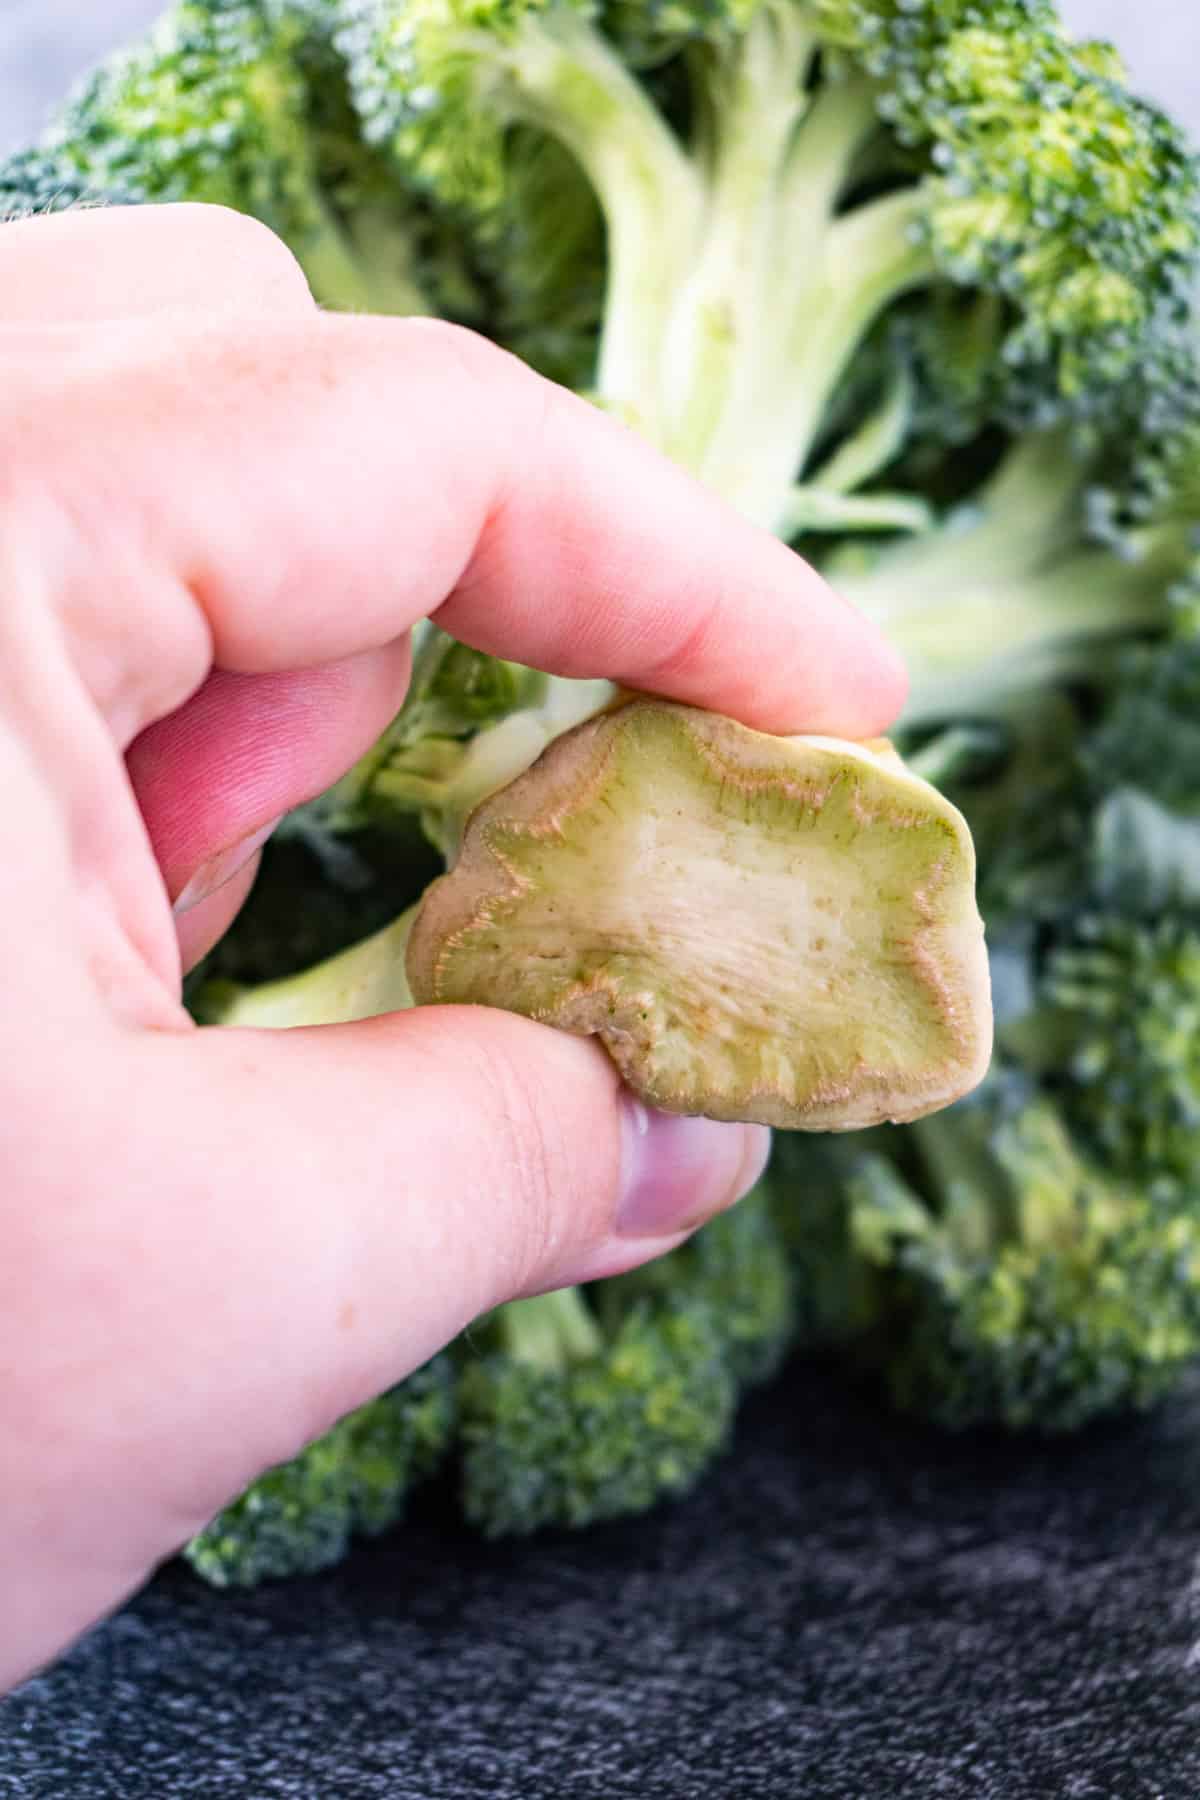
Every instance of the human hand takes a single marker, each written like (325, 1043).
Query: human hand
(222, 512)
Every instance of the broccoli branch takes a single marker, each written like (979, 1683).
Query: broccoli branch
(1009, 595)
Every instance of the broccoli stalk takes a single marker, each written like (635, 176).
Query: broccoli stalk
(848, 982)
(549, 1332)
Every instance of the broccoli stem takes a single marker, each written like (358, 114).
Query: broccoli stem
(550, 1331)
(974, 1199)
(342, 281)
(737, 294)
(814, 508)
(361, 983)
(785, 290)
(570, 83)
(446, 779)
(755, 101)
(1009, 595)
(872, 445)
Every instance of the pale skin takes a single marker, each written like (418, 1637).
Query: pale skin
(223, 511)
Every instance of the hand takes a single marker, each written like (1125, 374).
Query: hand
(222, 511)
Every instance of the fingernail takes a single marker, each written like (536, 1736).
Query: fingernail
(678, 1172)
(212, 875)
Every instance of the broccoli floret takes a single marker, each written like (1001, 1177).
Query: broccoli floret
(354, 1481)
(243, 103)
(1017, 1282)
(736, 1264)
(596, 1404)
(1149, 736)
(41, 180)
(1124, 1010)
(561, 1427)
(787, 173)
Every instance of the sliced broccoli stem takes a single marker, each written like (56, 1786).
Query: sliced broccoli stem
(550, 1331)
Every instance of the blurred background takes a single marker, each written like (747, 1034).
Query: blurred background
(44, 44)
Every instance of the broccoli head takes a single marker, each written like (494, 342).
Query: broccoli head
(776, 178)
(1012, 1279)
(354, 1481)
(598, 1403)
(244, 103)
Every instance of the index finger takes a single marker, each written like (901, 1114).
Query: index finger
(316, 484)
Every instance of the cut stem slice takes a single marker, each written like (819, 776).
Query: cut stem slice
(756, 928)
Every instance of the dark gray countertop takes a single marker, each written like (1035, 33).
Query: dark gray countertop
(851, 1608)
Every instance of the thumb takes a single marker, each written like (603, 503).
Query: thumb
(402, 1175)
(369, 1189)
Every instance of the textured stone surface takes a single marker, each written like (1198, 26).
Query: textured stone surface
(850, 1608)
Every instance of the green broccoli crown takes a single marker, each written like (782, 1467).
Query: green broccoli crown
(1124, 996)
(1149, 735)
(601, 1436)
(1061, 192)
(585, 1407)
(1018, 1283)
(41, 180)
(738, 1267)
(1017, 164)
(301, 1517)
(244, 103)
(213, 105)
